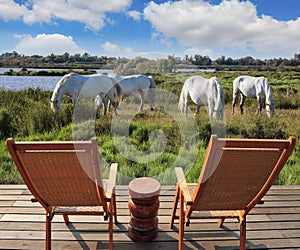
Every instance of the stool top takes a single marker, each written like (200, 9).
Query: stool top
(141, 188)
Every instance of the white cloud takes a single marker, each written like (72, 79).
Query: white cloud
(115, 50)
(111, 48)
(45, 44)
(12, 11)
(91, 13)
(230, 26)
(135, 15)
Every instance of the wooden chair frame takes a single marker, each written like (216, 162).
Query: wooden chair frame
(65, 178)
(235, 176)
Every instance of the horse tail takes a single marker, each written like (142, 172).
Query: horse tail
(235, 91)
(181, 101)
(236, 85)
(118, 91)
(218, 96)
(152, 92)
(221, 100)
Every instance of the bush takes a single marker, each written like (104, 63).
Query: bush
(6, 128)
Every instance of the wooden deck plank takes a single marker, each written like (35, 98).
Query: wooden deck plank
(72, 233)
(273, 225)
(162, 236)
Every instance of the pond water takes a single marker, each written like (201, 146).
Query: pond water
(16, 83)
(23, 82)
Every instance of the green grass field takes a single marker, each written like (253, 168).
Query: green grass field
(152, 143)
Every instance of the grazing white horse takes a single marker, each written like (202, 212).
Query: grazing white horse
(88, 86)
(202, 91)
(137, 83)
(253, 87)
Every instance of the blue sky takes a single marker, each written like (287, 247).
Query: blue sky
(233, 28)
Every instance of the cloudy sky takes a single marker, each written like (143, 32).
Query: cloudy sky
(233, 28)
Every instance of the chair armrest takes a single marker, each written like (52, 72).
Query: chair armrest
(112, 180)
(183, 186)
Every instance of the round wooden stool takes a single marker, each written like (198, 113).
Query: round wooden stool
(143, 205)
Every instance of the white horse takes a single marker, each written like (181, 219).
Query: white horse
(89, 86)
(137, 83)
(202, 91)
(253, 87)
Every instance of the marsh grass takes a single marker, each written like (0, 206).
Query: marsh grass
(155, 135)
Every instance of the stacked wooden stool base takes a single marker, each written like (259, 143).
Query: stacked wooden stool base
(143, 205)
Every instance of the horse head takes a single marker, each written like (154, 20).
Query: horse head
(55, 105)
(59, 92)
(270, 105)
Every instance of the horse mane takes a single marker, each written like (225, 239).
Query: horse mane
(63, 80)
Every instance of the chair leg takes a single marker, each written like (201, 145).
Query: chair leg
(243, 234)
(114, 209)
(49, 217)
(110, 231)
(221, 222)
(181, 221)
(66, 218)
(174, 206)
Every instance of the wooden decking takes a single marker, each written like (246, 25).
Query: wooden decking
(273, 225)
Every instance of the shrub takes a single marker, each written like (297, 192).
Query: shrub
(6, 128)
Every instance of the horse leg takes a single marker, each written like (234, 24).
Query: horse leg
(185, 105)
(197, 109)
(115, 106)
(98, 104)
(234, 99)
(242, 103)
(211, 112)
(104, 106)
(142, 100)
(150, 95)
(151, 102)
(115, 111)
(259, 107)
(108, 105)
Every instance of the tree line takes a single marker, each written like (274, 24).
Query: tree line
(244, 61)
(138, 64)
(65, 60)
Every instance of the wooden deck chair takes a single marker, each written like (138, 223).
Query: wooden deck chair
(235, 176)
(65, 178)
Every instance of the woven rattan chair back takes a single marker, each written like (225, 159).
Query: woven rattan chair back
(65, 178)
(235, 176)
(235, 172)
